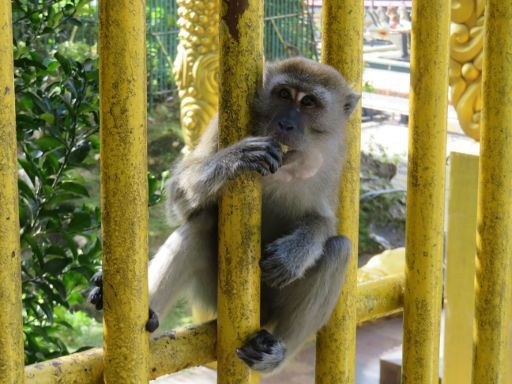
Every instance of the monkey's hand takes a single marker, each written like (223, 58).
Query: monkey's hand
(288, 258)
(96, 298)
(260, 154)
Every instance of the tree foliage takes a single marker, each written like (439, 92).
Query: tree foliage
(57, 117)
(57, 126)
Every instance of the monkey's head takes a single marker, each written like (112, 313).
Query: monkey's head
(304, 105)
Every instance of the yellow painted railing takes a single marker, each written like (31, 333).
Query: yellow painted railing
(494, 224)
(241, 35)
(128, 356)
(344, 18)
(124, 179)
(196, 345)
(11, 335)
(425, 191)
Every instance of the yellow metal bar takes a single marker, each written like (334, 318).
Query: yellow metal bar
(460, 269)
(425, 191)
(78, 368)
(196, 344)
(380, 298)
(240, 73)
(342, 33)
(180, 349)
(124, 189)
(11, 334)
(183, 348)
(494, 238)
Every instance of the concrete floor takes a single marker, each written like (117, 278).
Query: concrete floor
(373, 340)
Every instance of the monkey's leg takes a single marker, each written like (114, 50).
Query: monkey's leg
(288, 258)
(96, 298)
(300, 309)
(186, 262)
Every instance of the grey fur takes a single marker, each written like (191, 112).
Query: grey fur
(304, 261)
(263, 352)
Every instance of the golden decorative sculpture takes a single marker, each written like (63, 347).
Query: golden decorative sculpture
(196, 66)
(466, 56)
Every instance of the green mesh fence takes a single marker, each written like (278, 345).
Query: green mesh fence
(290, 30)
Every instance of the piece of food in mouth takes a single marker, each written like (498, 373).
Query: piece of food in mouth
(284, 148)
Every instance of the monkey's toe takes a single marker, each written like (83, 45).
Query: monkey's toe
(96, 294)
(262, 352)
(96, 298)
(153, 322)
(97, 279)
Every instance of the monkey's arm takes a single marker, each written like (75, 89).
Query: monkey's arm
(199, 178)
(288, 258)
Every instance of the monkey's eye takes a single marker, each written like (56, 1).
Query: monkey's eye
(284, 93)
(308, 101)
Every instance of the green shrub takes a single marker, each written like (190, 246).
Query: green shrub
(57, 126)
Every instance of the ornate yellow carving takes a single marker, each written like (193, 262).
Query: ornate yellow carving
(466, 53)
(196, 66)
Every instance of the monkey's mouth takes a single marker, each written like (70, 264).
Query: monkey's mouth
(290, 156)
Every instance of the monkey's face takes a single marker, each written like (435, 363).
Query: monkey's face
(303, 104)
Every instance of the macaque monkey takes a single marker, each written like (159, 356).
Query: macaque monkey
(297, 146)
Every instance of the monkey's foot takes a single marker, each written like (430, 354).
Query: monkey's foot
(278, 266)
(96, 298)
(96, 294)
(262, 352)
(153, 323)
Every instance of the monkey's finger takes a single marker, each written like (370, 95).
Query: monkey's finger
(272, 163)
(266, 144)
(266, 159)
(275, 150)
(258, 167)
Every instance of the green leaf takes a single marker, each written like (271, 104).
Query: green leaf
(60, 197)
(47, 30)
(64, 62)
(56, 266)
(51, 163)
(152, 184)
(45, 287)
(55, 250)
(80, 152)
(72, 246)
(48, 311)
(26, 102)
(48, 117)
(75, 188)
(25, 189)
(31, 170)
(59, 287)
(35, 248)
(47, 143)
(65, 324)
(80, 221)
(75, 22)
(52, 67)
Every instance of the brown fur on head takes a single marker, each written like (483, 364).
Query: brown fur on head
(302, 101)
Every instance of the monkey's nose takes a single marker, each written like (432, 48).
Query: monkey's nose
(287, 125)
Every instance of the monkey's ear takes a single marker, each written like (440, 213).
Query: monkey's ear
(351, 103)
